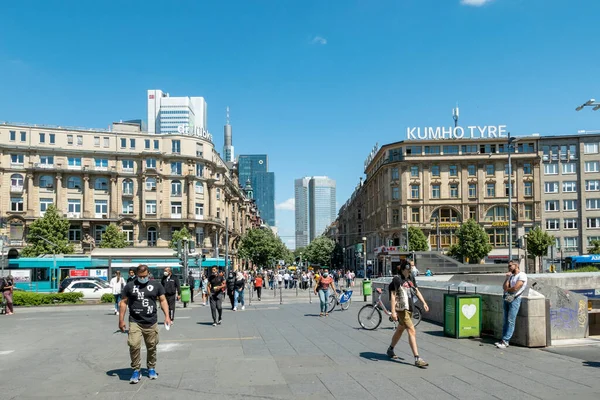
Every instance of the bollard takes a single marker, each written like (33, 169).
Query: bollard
(309, 297)
(296, 290)
(251, 293)
(280, 296)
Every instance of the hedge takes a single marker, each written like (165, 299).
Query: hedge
(37, 299)
(107, 298)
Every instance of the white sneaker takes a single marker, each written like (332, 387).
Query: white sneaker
(234, 308)
(501, 344)
(243, 307)
(116, 313)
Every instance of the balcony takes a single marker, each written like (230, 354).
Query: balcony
(128, 193)
(43, 165)
(16, 188)
(128, 170)
(100, 168)
(200, 216)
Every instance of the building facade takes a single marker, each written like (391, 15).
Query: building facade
(167, 114)
(254, 167)
(149, 185)
(301, 212)
(321, 204)
(228, 149)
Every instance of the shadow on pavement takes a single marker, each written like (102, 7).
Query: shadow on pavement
(593, 364)
(204, 323)
(369, 355)
(311, 315)
(123, 373)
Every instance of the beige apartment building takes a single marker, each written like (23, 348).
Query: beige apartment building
(435, 185)
(149, 185)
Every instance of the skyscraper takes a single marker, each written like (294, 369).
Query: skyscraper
(171, 114)
(315, 207)
(254, 167)
(228, 155)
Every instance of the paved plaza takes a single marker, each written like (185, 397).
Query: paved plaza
(272, 351)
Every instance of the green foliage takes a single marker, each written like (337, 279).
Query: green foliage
(337, 256)
(53, 227)
(595, 249)
(538, 242)
(589, 268)
(181, 234)
(417, 241)
(113, 238)
(107, 298)
(319, 251)
(36, 299)
(262, 247)
(473, 243)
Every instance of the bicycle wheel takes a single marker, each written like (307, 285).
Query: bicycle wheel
(369, 317)
(331, 303)
(417, 315)
(346, 305)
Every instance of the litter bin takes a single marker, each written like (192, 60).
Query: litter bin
(366, 288)
(462, 315)
(185, 295)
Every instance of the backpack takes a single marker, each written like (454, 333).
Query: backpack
(404, 298)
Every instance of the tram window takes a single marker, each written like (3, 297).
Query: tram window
(40, 274)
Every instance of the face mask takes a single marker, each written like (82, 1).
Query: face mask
(325, 274)
(143, 280)
(166, 273)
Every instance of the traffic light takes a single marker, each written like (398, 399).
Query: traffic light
(177, 252)
(192, 246)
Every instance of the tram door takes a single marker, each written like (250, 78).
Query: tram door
(64, 273)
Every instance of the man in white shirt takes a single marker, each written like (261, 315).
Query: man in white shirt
(514, 286)
(286, 278)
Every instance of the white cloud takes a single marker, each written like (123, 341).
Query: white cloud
(475, 3)
(319, 40)
(288, 205)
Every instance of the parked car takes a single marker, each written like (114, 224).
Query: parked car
(67, 281)
(91, 289)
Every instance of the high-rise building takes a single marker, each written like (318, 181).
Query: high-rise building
(301, 211)
(315, 207)
(175, 114)
(228, 155)
(254, 167)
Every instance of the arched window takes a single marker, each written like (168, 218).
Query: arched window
(199, 188)
(175, 188)
(445, 215)
(150, 183)
(127, 186)
(16, 180)
(448, 221)
(498, 214)
(101, 184)
(46, 181)
(74, 182)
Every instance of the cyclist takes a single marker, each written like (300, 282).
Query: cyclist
(401, 293)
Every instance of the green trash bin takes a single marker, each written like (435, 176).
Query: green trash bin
(186, 295)
(462, 315)
(367, 290)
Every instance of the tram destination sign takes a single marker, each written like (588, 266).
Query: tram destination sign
(458, 132)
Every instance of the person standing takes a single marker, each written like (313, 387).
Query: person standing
(258, 284)
(231, 288)
(191, 281)
(216, 284)
(324, 282)
(131, 275)
(514, 286)
(238, 291)
(401, 293)
(172, 290)
(204, 286)
(6, 287)
(117, 284)
(140, 297)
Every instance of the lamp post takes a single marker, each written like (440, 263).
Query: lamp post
(511, 147)
(364, 239)
(3, 240)
(590, 103)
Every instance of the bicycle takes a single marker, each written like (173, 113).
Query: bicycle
(344, 300)
(369, 316)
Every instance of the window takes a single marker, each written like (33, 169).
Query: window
(552, 205)
(127, 206)
(592, 204)
(414, 171)
(590, 239)
(97, 141)
(74, 162)
(450, 149)
(74, 182)
(128, 232)
(16, 182)
(44, 204)
(151, 163)
(569, 186)
(147, 144)
(527, 169)
(553, 224)
(592, 185)
(132, 144)
(507, 189)
(150, 183)
(218, 194)
(52, 137)
(127, 165)
(123, 143)
(74, 233)
(550, 169)
(588, 148)
(17, 159)
(428, 150)
(199, 169)
(98, 232)
(528, 212)
(414, 192)
(79, 140)
(487, 148)
(150, 206)
(570, 205)
(46, 161)
(528, 189)
(395, 217)
(42, 137)
(176, 188)
(175, 146)
(176, 209)
(218, 213)
(551, 187)
(101, 207)
(570, 223)
(199, 188)
(506, 167)
(592, 166)
(16, 204)
(176, 168)
(472, 190)
(46, 182)
(453, 170)
(106, 142)
(70, 140)
(472, 170)
(13, 136)
(156, 146)
(418, 150)
(569, 168)
(199, 210)
(101, 184)
(74, 207)
(395, 193)
(490, 190)
(395, 174)
(415, 214)
(498, 213)
(593, 222)
(473, 212)
(24, 138)
(128, 187)
(101, 164)
(490, 170)
(454, 190)
(435, 191)
(571, 243)
(469, 149)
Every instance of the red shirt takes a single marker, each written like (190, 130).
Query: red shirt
(325, 282)
(258, 281)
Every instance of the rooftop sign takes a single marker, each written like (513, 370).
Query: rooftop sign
(469, 132)
(195, 131)
(372, 155)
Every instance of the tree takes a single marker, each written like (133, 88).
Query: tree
(262, 247)
(319, 251)
(473, 243)
(337, 256)
(113, 238)
(538, 242)
(595, 249)
(181, 234)
(52, 227)
(417, 241)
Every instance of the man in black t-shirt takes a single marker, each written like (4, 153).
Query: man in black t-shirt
(401, 290)
(140, 297)
(172, 290)
(216, 284)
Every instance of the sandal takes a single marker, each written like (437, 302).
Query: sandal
(321, 314)
(327, 314)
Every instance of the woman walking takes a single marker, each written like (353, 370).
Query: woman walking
(6, 287)
(117, 284)
(258, 284)
(322, 288)
(238, 291)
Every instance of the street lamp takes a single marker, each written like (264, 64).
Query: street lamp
(590, 103)
(364, 239)
(511, 147)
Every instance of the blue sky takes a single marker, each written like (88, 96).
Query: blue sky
(315, 83)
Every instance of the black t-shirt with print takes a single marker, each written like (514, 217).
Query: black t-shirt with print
(142, 301)
(400, 280)
(214, 281)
